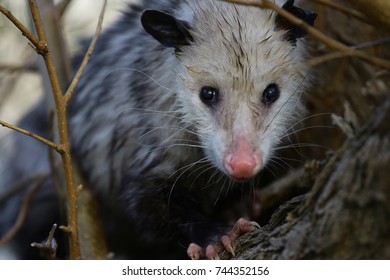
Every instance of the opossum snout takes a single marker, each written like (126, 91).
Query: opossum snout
(243, 162)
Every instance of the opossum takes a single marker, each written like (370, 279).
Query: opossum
(165, 121)
(182, 103)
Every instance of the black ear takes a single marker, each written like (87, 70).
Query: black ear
(294, 32)
(166, 29)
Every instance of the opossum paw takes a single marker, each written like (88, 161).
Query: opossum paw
(242, 226)
(195, 252)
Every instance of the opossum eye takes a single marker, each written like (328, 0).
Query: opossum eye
(271, 94)
(209, 95)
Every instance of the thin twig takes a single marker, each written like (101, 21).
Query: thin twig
(341, 8)
(23, 212)
(88, 55)
(40, 46)
(49, 247)
(327, 57)
(58, 148)
(14, 68)
(20, 186)
(330, 42)
(51, 20)
(370, 44)
(340, 54)
(56, 174)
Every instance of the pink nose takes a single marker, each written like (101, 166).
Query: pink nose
(243, 163)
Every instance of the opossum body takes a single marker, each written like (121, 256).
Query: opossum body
(165, 122)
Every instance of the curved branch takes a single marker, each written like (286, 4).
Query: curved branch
(344, 10)
(88, 55)
(20, 186)
(330, 42)
(23, 212)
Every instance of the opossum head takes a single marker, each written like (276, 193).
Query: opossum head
(239, 79)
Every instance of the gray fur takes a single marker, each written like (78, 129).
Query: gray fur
(139, 129)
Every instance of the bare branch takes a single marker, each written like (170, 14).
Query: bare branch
(88, 55)
(41, 47)
(377, 11)
(51, 20)
(23, 212)
(341, 8)
(48, 248)
(20, 68)
(58, 148)
(330, 42)
(327, 57)
(60, 103)
(20, 186)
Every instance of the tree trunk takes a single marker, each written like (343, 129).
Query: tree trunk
(346, 213)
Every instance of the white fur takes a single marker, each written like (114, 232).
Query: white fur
(269, 58)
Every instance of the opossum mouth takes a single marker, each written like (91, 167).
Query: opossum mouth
(243, 180)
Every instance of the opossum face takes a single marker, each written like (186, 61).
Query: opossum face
(241, 100)
(239, 81)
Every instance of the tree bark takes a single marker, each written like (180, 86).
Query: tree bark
(346, 213)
